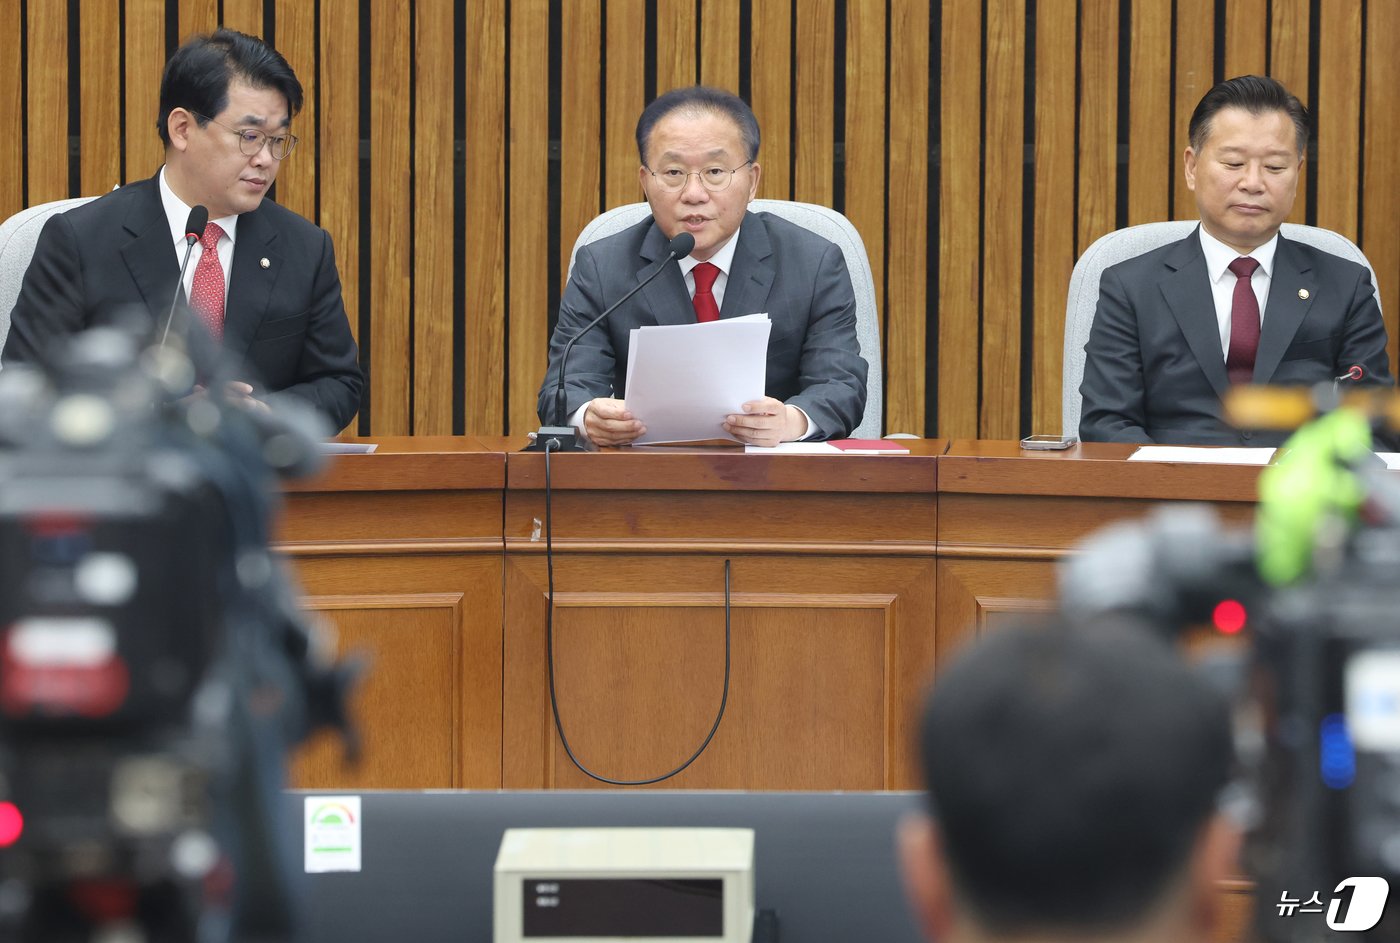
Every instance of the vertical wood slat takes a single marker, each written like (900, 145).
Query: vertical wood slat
(339, 131)
(1245, 37)
(99, 87)
(1338, 116)
(719, 44)
(433, 161)
(960, 211)
(11, 113)
(675, 44)
(815, 93)
(906, 298)
(528, 208)
(1054, 203)
(1289, 64)
(296, 41)
(1000, 416)
(1195, 63)
(865, 135)
(47, 142)
(771, 94)
(1098, 120)
(1380, 237)
(246, 16)
(145, 60)
(197, 16)
(580, 124)
(390, 185)
(626, 87)
(1153, 149)
(484, 265)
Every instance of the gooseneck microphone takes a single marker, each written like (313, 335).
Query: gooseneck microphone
(563, 436)
(194, 231)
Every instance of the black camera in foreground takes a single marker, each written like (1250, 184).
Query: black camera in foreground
(154, 666)
(1312, 598)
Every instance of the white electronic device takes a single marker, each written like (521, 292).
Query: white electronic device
(624, 885)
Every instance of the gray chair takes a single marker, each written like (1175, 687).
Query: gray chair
(1131, 242)
(826, 223)
(18, 235)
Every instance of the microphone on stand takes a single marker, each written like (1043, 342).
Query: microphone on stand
(194, 230)
(564, 438)
(1354, 373)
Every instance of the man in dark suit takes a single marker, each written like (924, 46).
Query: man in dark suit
(1234, 302)
(262, 280)
(699, 150)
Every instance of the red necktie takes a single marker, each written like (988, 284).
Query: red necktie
(207, 289)
(1244, 323)
(705, 307)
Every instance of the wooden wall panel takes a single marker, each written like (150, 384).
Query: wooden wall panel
(907, 304)
(528, 267)
(99, 89)
(1338, 117)
(47, 118)
(390, 191)
(433, 160)
(1054, 202)
(484, 253)
(424, 118)
(1002, 216)
(959, 226)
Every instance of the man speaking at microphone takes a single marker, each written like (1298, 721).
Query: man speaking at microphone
(699, 153)
(261, 279)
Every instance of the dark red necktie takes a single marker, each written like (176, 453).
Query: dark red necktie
(207, 289)
(705, 307)
(1244, 323)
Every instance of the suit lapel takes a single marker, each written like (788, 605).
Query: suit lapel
(1284, 313)
(666, 296)
(250, 284)
(1187, 293)
(150, 254)
(751, 275)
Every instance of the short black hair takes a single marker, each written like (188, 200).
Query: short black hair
(699, 99)
(197, 77)
(1070, 771)
(1256, 95)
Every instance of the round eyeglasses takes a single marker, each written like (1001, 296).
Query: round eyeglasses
(714, 179)
(251, 141)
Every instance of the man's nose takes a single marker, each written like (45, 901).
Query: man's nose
(694, 191)
(1253, 177)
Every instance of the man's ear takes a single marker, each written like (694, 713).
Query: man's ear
(1188, 164)
(925, 874)
(1215, 858)
(178, 126)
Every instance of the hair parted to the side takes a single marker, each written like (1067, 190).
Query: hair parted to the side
(1070, 771)
(198, 74)
(1256, 95)
(699, 100)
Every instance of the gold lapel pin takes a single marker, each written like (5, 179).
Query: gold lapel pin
(1302, 292)
(266, 264)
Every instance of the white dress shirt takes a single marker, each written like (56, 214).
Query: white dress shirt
(177, 213)
(1222, 280)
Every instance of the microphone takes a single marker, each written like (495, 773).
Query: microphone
(564, 436)
(194, 230)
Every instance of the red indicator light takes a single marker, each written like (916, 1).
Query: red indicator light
(1229, 616)
(11, 824)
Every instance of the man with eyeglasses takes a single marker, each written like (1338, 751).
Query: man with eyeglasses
(262, 280)
(699, 153)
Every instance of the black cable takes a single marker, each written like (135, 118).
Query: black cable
(549, 646)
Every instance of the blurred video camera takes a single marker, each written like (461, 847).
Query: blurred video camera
(155, 668)
(1312, 596)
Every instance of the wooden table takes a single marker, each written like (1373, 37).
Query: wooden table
(851, 578)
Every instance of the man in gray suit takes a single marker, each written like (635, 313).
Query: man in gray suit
(1234, 302)
(699, 152)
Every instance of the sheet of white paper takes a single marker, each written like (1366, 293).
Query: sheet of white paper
(348, 448)
(1203, 456)
(795, 448)
(1391, 459)
(683, 379)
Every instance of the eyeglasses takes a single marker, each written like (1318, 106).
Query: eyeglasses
(714, 179)
(251, 141)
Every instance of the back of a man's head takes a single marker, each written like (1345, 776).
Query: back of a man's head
(1071, 774)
